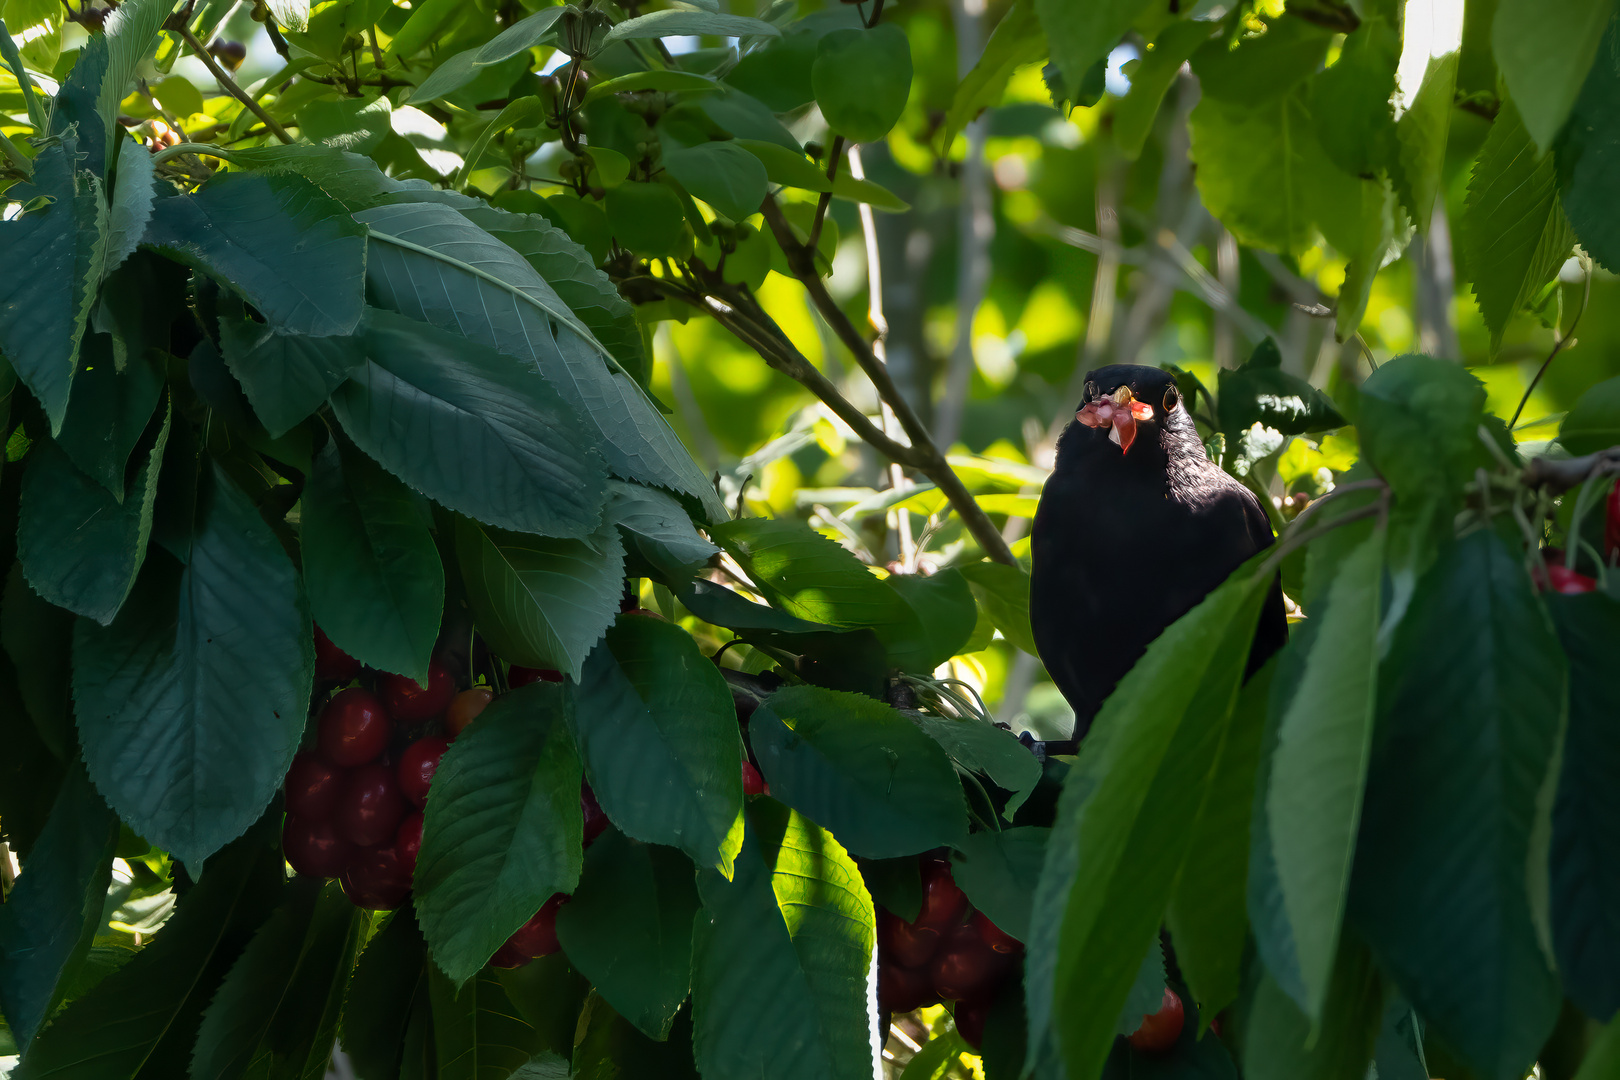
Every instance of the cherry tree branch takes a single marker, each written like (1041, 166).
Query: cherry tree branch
(228, 84)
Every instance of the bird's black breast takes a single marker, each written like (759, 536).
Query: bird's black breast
(1121, 548)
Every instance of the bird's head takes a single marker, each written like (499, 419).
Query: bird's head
(1121, 396)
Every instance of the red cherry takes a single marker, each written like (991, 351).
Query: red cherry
(507, 957)
(905, 943)
(408, 700)
(332, 664)
(354, 728)
(465, 707)
(1564, 580)
(408, 842)
(418, 764)
(596, 822)
(902, 989)
(943, 903)
(753, 783)
(994, 936)
(370, 808)
(312, 787)
(970, 1016)
(376, 879)
(523, 676)
(965, 967)
(314, 848)
(538, 936)
(1160, 1031)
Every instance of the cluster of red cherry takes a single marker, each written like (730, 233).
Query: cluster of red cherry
(354, 803)
(949, 952)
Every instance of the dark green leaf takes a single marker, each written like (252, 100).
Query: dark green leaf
(1461, 785)
(191, 703)
(1081, 34)
(43, 312)
(983, 748)
(722, 174)
(657, 728)
(1281, 1043)
(38, 637)
(590, 295)
(376, 586)
(676, 22)
(30, 774)
(1513, 231)
(54, 908)
(1016, 40)
(1594, 423)
(110, 408)
(1320, 766)
(1586, 817)
(1262, 170)
(1143, 773)
(286, 376)
(476, 1033)
(1351, 100)
(1422, 132)
(1208, 917)
(1585, 154)
(93, 89)
(549, 994)
(471, 429)
(862, 79)
(780, 956)
(133, 1017)
(1264, 67)
(746, 117)
(943, 615)
(80, 547)
(659, 531)
(486, 291)
(1134, 115)
(608, 1047)
(131, 202)
(779, 73)
(539, 601)
(628, 929)
(1003, 594)
(812, 577)
(646, 218)
(998, 871)
(235, 229)
(1544, 55)
(859, 768)
(350, 124)
(502, 831)
(1260, 392)
(276, 1012)
(1418, 422)
(389, 978)
(521, 36)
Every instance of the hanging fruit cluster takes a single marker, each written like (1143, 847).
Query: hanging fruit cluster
(949, 952)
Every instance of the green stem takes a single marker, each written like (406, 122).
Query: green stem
(172, 152)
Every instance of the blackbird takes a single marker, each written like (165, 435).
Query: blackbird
(1135, 526)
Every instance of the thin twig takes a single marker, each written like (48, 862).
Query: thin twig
(1559, 475)
(1295, 541)
(901, 519)
(228, 84)
(836, 151)
(1558, 345)
(924, 454)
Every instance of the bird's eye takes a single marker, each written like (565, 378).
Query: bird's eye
(1091, 392)
(1172, 398)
